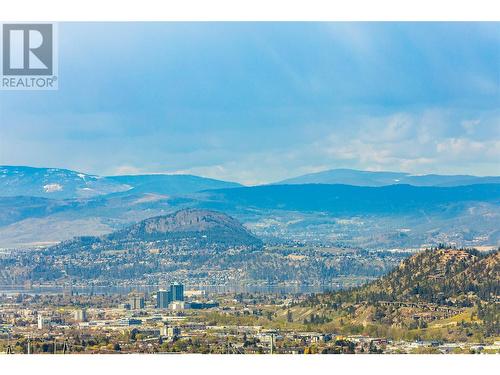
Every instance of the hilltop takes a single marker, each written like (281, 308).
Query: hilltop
(200, 226)
(442, 294)
(190, 227)
(186, 245)
(194, 246)
(442, 276)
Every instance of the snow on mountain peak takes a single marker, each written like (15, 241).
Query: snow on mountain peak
(52, 188)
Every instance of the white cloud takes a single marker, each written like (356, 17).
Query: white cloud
(126, 170)
(470, 126)
(466, 149)
(432, 141)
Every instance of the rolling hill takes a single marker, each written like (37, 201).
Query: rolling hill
(194, 246)
(169, 184)
(369, 178)
(55, 183)
(441, 294)
(444, 276)
(350, 200)
(201, 227)
(189, 227)
(394, 216)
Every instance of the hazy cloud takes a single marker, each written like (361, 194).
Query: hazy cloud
(257, 103)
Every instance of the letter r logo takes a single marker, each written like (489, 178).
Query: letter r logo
(27, 49)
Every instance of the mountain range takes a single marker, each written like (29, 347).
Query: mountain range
(42, 206)
(350, 200)
(369, 178)
(66, 184)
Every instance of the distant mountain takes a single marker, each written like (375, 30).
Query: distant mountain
(170, 184)
(57, 183)
(371, 217)
(369, 178)
(198, 247)
(191, 228)
(14, 209)
(350, 200)
(54, 183)
(202, 227)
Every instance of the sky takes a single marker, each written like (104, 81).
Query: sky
(261, 102)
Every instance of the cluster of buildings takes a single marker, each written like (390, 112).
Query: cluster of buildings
(172, 299)
(47, 323)
(43, 321)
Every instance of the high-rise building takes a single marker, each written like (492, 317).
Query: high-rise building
(136, 302)
(81, 315)
(177, 292)
(177, 306)
(170, 331)
(163, 298)
(42, 322)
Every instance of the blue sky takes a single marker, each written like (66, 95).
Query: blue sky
(260, 102)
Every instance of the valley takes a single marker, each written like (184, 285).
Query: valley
(300, 267)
